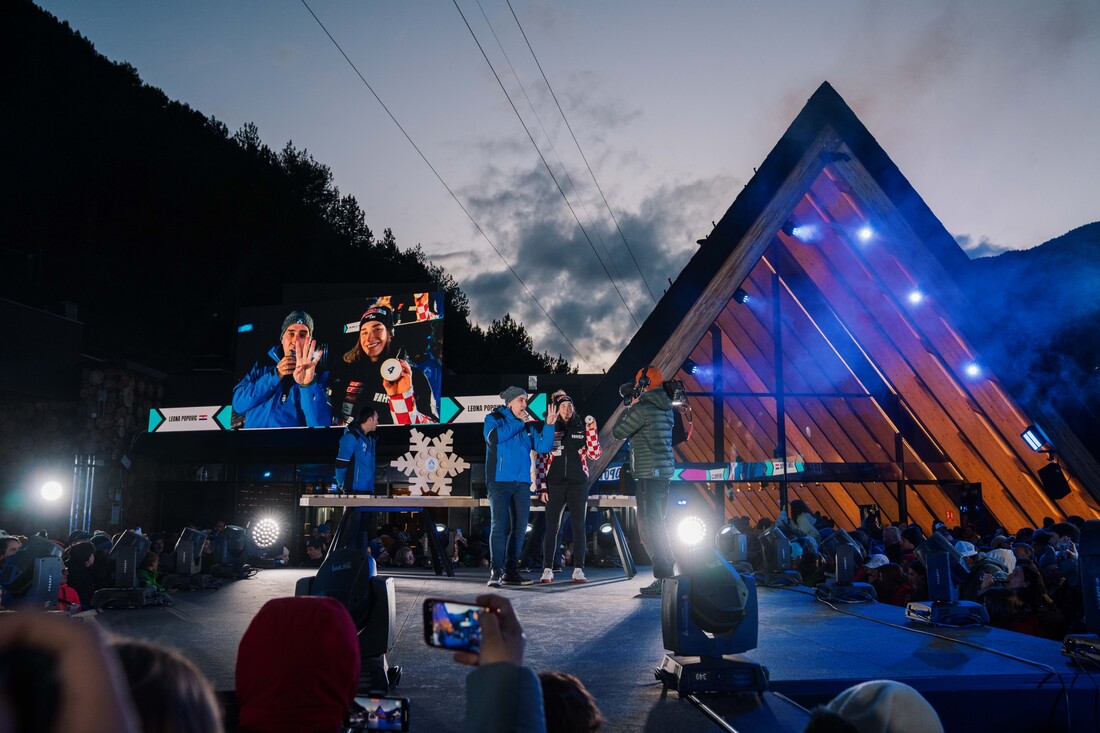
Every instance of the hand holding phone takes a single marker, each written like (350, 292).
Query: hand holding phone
(502, 634)
(379, 713)
(453, 624)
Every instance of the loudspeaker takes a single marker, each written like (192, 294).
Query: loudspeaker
(1054, 481)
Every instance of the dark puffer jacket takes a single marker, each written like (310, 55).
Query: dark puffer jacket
(647, 424)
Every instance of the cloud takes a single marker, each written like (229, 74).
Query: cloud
(569, 270)
(983, 247)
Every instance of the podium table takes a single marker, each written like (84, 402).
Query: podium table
(607, 503)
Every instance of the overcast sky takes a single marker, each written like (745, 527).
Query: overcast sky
(990, 108)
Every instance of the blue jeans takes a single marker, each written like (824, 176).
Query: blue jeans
(509, 506)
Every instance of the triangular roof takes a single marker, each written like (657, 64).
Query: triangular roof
(874, 387)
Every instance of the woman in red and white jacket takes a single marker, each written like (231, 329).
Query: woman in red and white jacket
(563, 481)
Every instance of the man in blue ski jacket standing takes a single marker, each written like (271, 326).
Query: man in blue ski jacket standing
(511, 433)
(355, 457)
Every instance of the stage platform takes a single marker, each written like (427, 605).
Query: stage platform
(979, 679)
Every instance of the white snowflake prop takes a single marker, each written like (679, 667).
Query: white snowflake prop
(430, 461)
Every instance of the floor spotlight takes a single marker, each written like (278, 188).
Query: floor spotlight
(264, 533)
(51, 491)
(691, 530)
(605, 528)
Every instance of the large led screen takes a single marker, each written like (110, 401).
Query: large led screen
(317, 365)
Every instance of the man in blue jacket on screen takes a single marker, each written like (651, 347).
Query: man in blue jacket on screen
(287, 393)
(511, 433)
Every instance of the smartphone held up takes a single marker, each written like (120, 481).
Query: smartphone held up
(453, 625)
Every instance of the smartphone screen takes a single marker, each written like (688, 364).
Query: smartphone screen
(380, 713)
(453, 625)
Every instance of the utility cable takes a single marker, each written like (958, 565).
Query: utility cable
(545, 163)
(553, 148)
(440, 179)
(577, 142)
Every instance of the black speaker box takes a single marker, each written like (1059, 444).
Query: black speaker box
(1054, 481)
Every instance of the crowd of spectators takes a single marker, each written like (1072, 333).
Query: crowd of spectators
(1029, 581)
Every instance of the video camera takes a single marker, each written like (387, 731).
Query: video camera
(630, 391)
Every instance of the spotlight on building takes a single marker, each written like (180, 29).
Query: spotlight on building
(1036, 439)
(865, 233)
(915, 297)
(972, 370)
(51, 491)
(708, 613)
(806, 233)
(741, 296)
(690, 367)
(691, 530)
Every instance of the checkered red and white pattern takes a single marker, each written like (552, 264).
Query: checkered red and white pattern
(403, 409)
(542, 467)
(592, 447)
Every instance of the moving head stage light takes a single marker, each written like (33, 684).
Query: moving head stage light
(128, 592)
(30, 579)
(777, 571)
(229, 554)
(734, 546)
(844, 589)
(946, 569)
(1086, 647)
(708, 612)
(188, 563)
(350, 577)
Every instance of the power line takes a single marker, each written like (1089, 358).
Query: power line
(547, 165)
(440, 179)
(577, 142)
(553, 148)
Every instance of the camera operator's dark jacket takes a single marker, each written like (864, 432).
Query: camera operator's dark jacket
(647, 424)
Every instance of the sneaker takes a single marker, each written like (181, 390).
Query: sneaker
(495, 576)
(653, 589)
(578, 576)
(547, 576)
(514, 577)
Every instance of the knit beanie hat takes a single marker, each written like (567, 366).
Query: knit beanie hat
(297, 666)
(559, 397)
(511, 393)
(885, 706)
(297, 317)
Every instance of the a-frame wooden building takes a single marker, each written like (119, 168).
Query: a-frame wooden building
(826, 330)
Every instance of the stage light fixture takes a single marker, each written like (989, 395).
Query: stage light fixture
(29, 579)
(605, 528)
(945, 570)
(1035, 438)
(264, 532)
(972, 370)
(690, 367)
(709, 611)
(777, 559)
(128, 592)
(915, 297)
(186, 565)
(807, 233)
(741, 296)
(691, 530)
(681, 502)
(51, 491)
(865, 233)
(1086, 647)
(787, 228)
(439, 527)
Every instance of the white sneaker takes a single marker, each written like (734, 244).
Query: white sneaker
(547, 575)
(578, 576)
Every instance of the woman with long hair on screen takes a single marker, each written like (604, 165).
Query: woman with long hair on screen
(380, 376)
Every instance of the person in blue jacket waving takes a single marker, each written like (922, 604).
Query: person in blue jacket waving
(288, 393)
(511, 433)
(355, 457)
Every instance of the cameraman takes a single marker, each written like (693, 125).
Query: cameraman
(647, 423)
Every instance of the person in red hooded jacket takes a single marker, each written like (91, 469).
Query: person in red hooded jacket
(297, 667)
